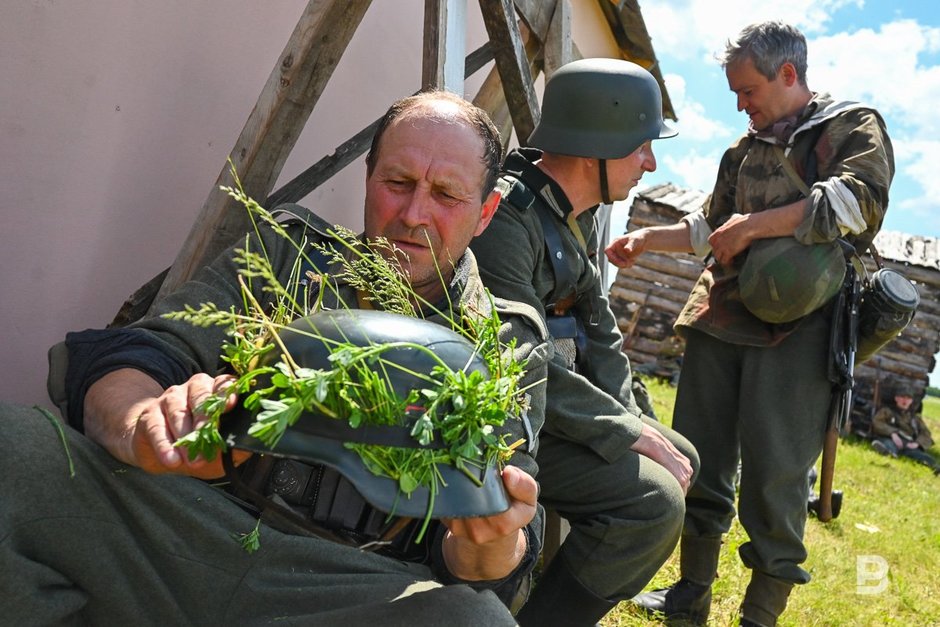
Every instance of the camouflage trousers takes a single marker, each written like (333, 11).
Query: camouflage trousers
(110, 544)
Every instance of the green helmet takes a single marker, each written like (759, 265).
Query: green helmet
(783, 280)
(318, 439)
(600, 108)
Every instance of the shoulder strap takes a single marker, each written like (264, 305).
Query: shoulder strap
(521, 197)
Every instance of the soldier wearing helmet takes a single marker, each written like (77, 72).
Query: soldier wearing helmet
(754, 385)
(134, 536)
(600, 456)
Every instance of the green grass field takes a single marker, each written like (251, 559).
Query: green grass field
(890, 519)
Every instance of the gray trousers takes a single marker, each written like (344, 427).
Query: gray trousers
(625, 516)
(114, 545)
(769, 406)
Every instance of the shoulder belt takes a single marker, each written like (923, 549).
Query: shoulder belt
(522, 198)
(315, 260)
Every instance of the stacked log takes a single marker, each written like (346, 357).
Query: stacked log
(647, 298)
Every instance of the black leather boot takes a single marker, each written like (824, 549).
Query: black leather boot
(690, 598)
(764, 600)
(683, 600)
(561, 600)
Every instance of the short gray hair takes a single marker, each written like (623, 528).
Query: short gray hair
(769, 45)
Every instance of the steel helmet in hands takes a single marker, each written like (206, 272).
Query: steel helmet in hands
(600, 108)
(782, 280)
(319, 439)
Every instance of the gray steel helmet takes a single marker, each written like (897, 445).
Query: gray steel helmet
(600, 108)
(319, 439)
(783, 280)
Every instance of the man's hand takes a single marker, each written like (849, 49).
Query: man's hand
(623, 250)
(732, 237)
(654, 445)
(896, 438)
(481, 549)
(129, 414)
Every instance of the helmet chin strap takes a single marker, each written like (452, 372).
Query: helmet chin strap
(605, 191)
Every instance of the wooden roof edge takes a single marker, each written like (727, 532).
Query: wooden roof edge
(629, 30)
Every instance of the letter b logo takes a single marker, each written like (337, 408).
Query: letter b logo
(871, 574)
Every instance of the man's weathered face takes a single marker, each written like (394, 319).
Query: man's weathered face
(424, 192)
(764, 101)
(624, 174)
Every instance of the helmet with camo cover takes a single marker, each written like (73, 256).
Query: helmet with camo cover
(783, 280)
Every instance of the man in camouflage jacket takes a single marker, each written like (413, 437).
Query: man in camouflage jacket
(750, 389)
(899, 431)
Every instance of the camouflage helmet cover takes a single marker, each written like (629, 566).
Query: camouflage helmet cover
(783, 280)
(600, 108)
(319, 439)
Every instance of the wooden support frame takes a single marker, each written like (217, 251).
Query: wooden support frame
(521, 49)
(444, 44)
(286, 101)
(499, 17)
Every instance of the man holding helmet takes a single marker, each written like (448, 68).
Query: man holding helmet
(134, 537)
(754, 384)
(616, 475)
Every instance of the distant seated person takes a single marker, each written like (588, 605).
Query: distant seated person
(899, 431)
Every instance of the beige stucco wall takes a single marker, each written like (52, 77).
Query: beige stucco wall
(117, 116)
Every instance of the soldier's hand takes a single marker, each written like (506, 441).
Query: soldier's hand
(137, 421)
(491, 547)
(624, 250)
(732, 237)
(168, 417)
(657, 447)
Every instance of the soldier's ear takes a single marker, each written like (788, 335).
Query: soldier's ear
(788, 74)
(490, 205)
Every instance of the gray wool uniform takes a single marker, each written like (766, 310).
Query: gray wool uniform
(112, 544)
(625, 510)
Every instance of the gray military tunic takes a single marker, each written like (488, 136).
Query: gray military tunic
(625, 509)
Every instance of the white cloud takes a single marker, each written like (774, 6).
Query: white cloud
(920, 158)
(882, 68)
(693, 125)
(688, 29)
(693, 169)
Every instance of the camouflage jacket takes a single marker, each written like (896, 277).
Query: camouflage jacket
(910, 426)
(595, 405)
(854, 165)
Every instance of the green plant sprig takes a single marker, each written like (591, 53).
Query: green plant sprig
(462, 409)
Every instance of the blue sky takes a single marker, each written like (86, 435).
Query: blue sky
(883, 53)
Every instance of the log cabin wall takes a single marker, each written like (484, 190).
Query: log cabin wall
(647, 299)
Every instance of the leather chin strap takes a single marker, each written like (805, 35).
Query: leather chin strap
(605, 191)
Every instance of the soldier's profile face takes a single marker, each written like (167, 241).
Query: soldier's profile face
(424, 192)
(624, 174)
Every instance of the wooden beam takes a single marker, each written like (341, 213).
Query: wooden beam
(352, 148)
(289, 95)
(558, 44)
(537, 14)
(444, 44)
(499, 17)
(491, 97)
